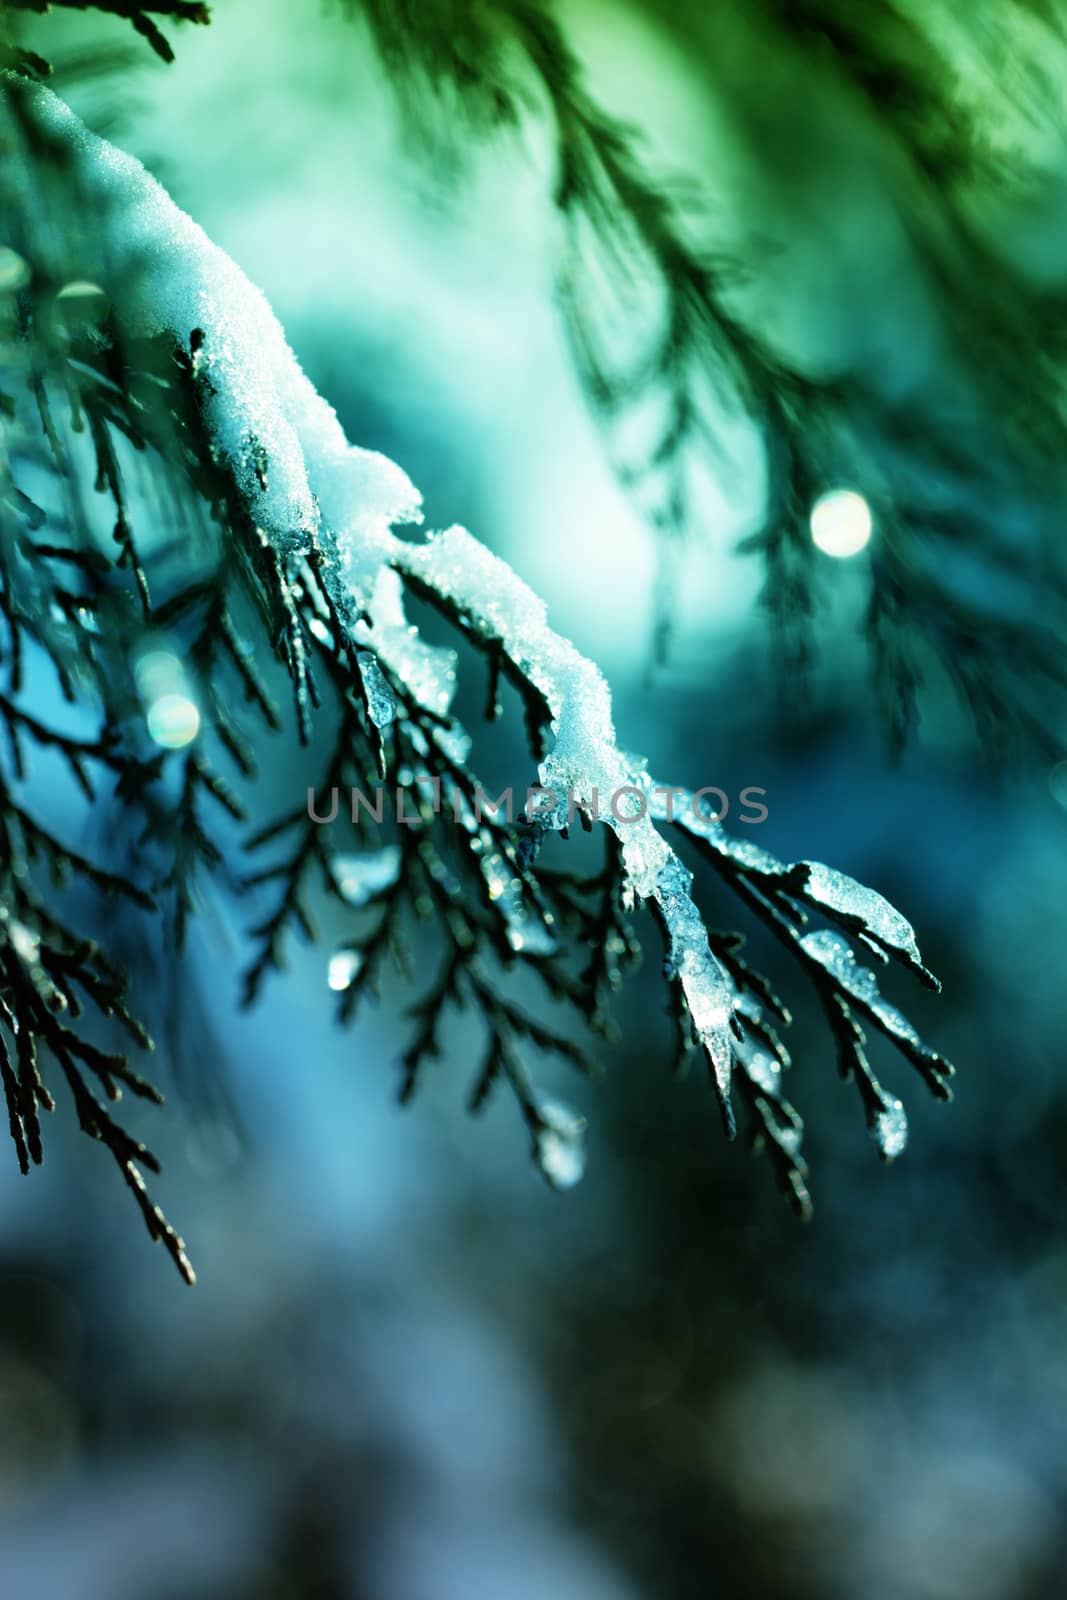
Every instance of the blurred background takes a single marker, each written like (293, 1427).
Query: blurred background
(409, 1371)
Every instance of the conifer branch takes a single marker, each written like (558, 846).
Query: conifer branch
(280, 560)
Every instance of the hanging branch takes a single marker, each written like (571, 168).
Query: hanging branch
(706, 360)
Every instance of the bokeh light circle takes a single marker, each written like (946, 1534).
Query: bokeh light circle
(841, 523)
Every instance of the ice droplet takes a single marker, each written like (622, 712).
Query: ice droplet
(765, 1072)
(361, 877)
(24, 942)
(890, 1129)
(559, 1144)
(381, 704)
(344, 969)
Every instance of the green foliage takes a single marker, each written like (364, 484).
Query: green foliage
(140, 17)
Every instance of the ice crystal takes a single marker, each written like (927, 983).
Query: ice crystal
(585, 763)
(381, 704)
(878, 923)
(708, 992)
(428, 672)
(882, 923)
(526, 929)
(832, 952)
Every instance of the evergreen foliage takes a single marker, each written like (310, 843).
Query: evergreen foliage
(948, 464)
(142, 374)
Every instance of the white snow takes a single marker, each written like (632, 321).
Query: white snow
(263, 408)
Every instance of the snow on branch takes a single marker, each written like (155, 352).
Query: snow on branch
(192, 368)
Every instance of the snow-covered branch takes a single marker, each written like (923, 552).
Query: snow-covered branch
(307, 529)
